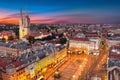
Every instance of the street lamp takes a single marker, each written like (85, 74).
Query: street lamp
(85, 59)
(80, 66)
(74, 77)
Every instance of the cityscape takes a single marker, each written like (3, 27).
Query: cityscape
(59, 40)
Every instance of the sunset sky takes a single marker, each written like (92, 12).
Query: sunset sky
(61, 11)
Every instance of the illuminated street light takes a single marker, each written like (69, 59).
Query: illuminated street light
(74, 76)
(55, 61)
(45, 69)
(6, 38)
(85, 59)
(113, 50)
(68, 51)
(80, 66)
(98, 65)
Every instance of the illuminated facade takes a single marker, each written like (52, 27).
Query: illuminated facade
(14, 48)
(24, 25)
(32, 65)
(82, 45)
(7, 34)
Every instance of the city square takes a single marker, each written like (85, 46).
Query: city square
(59, 40)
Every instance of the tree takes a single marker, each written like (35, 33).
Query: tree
(11, 38)
(51, 37)
(63, 40)
(31, 40)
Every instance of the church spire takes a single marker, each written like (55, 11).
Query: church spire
(21, 15)
(27, 12)
(21, 12)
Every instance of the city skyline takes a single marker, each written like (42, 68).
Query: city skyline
(62, 11)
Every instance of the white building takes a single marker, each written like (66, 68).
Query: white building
(97, 42)
(112, 42)
(81, 45)
(88, 45)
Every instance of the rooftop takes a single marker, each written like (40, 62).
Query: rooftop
(31, 56)
(80, 39)
(113, 62)
(18, 45)
(114, 51)
(92, 35)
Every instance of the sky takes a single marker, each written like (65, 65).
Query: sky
(61, 11)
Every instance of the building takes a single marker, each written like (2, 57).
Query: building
(112, 42)
(113, 70)
(33, 64)
(7, 34)
(114, 31)
(85, 43)
(80, 35)
(24, 28)
(39, 34)
(81, 45)
(14, 48)
(114, 62)
(114, 51)
(24, 25)
(95, 38)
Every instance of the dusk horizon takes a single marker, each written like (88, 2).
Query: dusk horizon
(59, 39)
(64, 11)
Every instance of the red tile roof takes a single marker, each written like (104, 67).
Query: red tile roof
(80, 39)
(92, 35)
(32, 34)
(6, 58)
(3, 64)
(44, 32)
(6, 33)
(36, 44)
(114, 54)
(4, 61)
(17, 63)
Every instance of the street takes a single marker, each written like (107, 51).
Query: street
(81, 66)
(74, 68)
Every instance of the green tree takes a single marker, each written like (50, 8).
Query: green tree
(31, 40)
(63, 40)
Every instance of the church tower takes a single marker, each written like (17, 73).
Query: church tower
(24, 25)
